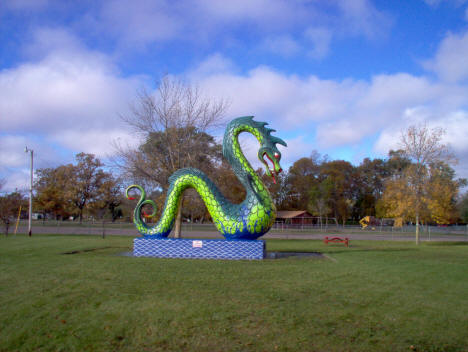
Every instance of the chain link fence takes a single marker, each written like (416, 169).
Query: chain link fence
(106, 227)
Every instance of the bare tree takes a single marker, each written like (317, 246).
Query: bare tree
(423, 147)
(174, 124)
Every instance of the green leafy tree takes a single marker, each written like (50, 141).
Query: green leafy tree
(302, 175)
(441, 193)
(51, 191)
(370, 179)
(342, 176)
(462, 207)
(9, 206)
(73, 189)
(279, 190)
(319, 198)
(86, 182)
(397, 162)
(108, 197)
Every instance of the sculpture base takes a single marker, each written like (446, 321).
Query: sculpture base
(202, 248)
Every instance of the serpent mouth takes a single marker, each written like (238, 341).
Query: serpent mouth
(271, 168)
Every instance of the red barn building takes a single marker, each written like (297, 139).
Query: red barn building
(296, 218)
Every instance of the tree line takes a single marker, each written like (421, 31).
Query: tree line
(415, 183)
(380, 187)
(70, 191)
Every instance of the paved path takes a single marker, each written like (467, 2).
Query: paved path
(68, 230)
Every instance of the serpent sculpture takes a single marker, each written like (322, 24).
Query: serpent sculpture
(245, 221)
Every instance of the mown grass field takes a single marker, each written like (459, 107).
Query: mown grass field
(373, 296)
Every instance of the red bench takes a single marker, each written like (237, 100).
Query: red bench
(345, 240)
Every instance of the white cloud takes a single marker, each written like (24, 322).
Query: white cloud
(29, 5)
(278, 11)
(144, 22)
(213, 64)
(357, 17)
(455, 124)
(12, 151)
(287, 99)
(45, 40)
(95, 141)
(450, 62)
(298, 147)
(399, 88)
(320, 39)
(361, 17)
(67, 99)
(14, 162)
(341, 112)
(389, 138)
(330, 114)
(19, 179)
(278, 24)
(435, 3)
(71, 95)
(283, 45)
(140, 22)
(432, 3)
(64, 90)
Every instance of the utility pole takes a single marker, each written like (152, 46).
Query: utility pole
(26, 150)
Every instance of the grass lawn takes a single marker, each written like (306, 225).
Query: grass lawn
(373, 296)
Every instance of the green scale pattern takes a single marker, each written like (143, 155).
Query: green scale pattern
(248, 220)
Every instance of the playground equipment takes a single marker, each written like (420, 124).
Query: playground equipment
(328, 240)
(18, 220)
(372, 221)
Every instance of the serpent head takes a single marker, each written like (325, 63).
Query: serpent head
(268, 153)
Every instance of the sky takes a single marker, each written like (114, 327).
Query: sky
(342, 77)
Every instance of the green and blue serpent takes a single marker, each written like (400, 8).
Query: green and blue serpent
(248, 220)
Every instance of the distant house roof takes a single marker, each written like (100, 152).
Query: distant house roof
(289, 214)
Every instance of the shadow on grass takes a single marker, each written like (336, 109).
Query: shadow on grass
(330, 250)
(89, 250)
(288, 254)
(353, 250)
(447, 243)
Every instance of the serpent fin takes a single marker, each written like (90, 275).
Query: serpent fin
(278, 141)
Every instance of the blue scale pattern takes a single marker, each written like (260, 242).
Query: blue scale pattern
(198, 248)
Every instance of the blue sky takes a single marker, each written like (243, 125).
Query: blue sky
(340, 77)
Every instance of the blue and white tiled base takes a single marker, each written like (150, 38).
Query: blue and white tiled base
(192, 248)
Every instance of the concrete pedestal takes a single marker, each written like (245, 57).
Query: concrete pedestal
(198, 248)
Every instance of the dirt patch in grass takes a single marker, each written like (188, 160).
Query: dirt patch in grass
(279, 255)
(89, 250)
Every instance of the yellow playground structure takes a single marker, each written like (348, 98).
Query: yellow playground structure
(372, 221)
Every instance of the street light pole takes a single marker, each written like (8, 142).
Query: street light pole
(30, 189)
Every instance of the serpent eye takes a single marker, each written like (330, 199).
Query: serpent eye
(277, 156)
